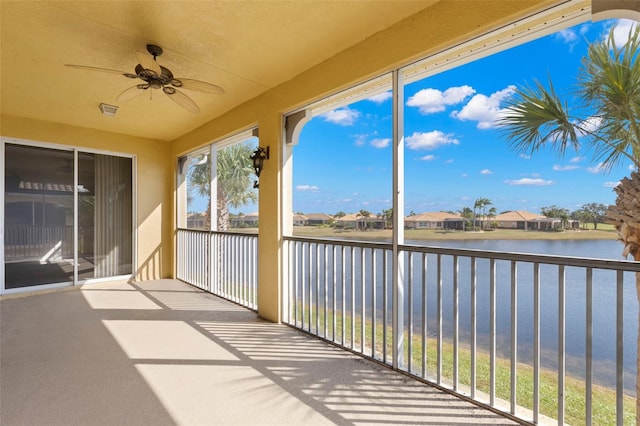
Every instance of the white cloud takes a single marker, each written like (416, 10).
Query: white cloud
(611, 184)
(380, 97)
(430, 140)
(576, 159)
(567, 36)
(428, 158)
(529, 181)
(598, 168)
(589, 126)
(381, 143)
(433, 100)
(632, 167)
(621, 32)
(449, 161)
(360, 140)
(484, 109)
(559, 168)
(525, 156)
(311, 188)
(486, 172)
(342, 116)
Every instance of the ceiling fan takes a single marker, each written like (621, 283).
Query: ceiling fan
(155, 76)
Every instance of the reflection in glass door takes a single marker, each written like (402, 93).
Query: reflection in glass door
(39, 216)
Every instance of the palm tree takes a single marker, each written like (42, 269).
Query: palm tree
(364, 214)
(480, 207)
(609, 83)
(234, 170)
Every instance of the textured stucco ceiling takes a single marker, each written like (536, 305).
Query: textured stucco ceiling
(247, 47)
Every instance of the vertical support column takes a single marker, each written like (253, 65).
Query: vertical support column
(271, 276)
(2, 201)
(75, 216)
(398, 220)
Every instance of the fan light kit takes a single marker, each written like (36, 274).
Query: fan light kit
(108, 110)
(155, 76)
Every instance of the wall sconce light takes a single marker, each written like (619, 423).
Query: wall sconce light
(258, 157)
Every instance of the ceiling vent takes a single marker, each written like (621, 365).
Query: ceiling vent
(108, 110)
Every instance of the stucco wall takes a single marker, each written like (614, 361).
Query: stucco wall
(154, 183)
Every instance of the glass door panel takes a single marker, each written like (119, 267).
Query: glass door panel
(105, 226)
(38, 243)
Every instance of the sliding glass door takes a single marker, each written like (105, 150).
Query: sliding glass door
(52, 239)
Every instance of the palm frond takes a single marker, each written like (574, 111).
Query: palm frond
(536, 117)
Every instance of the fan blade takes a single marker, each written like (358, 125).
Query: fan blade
(148, 62)
(197, 86)
(132, 92)
(183, 100)
(84, 67)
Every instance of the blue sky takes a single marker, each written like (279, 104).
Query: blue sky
(454, 152)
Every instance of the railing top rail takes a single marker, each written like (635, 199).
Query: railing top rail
(204, 231)
(339, 242)
(586, 262)
(618, 265)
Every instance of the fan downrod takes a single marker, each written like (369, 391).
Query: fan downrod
(154, 50)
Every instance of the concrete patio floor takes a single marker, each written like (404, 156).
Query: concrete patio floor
(162, 352)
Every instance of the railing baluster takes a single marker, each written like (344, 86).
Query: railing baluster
(456, 323)
(303, 283)
(473, 297)
(492, 332)
(536, 343)
(439, 317)
(514, 335)
(344, 288)
(363, 303)
(384, 305)
(410, 313)
(620, 348)
(333, 301)
(423, 269)
(317, 261)
(353, 298)
(310, 287)
(326, 291)
(374, 315)
(589, 349)
(296, 263)
(561, 343)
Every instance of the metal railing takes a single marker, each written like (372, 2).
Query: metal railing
(527, 335)
(222, 263)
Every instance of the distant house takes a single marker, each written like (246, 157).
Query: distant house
(316, 219)
(197, 220)
(299, 220)
(355, 221)
(520, 219)
(434, 220)
(249, 220)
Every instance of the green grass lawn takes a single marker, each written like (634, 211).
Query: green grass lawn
(603, 398)
(604, 232)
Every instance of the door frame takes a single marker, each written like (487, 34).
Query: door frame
(76, 149)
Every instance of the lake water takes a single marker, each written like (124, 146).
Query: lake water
(604, 304)
(604, 301)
